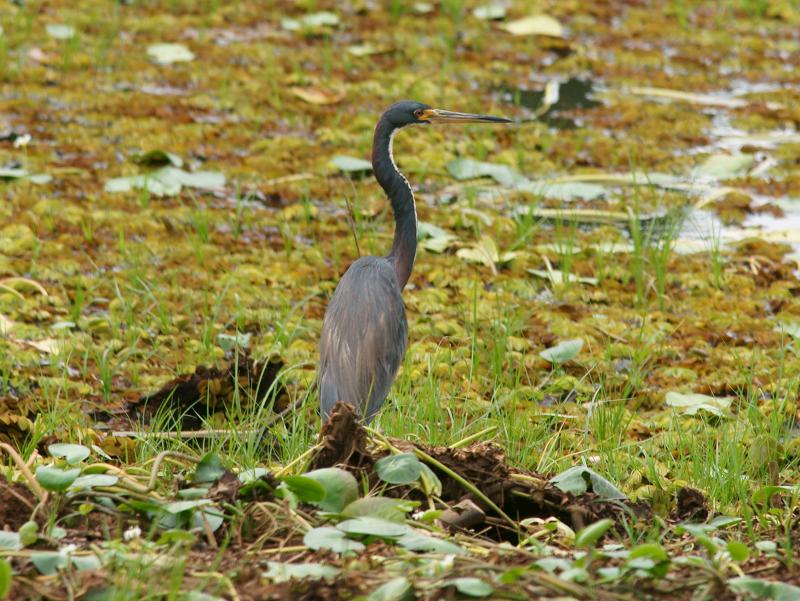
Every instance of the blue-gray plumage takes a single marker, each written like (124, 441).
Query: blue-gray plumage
(364, 333)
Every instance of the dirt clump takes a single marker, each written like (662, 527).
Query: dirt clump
(16, 505)
(516, 493)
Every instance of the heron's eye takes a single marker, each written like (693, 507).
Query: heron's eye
(418, 113)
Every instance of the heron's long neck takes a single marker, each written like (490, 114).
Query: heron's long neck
(397, 188)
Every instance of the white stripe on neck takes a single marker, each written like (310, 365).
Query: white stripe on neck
(403, 177)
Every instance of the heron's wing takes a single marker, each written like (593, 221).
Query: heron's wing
(364, 337)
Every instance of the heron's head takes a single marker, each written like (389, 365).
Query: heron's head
(410, 112)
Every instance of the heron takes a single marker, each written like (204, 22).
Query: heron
(365, 332)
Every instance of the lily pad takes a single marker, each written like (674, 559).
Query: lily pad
(433, 238)
(341, 487)
(471, 586)
(369, 526)
(350, 164)
(490, 12)
(423, 543)
(563, 191)
(464, 169)
(564, 351)
(73, 453)
(92, 480)
(725, 166)
(166, 54)
(311, 22)
(167, 181)
(13, 173)
(385, 508)
(60, 32)
(535, 25)
(691, 404)
(581, 479)
(55, 479)
(403, 468)
(330, 538)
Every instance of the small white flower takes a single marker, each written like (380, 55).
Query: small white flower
(132, 533)
(22, 141)
(67, 549)
(417, 515)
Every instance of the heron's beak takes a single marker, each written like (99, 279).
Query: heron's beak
(442, 116)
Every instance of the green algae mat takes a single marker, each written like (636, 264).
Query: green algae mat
(600, 394)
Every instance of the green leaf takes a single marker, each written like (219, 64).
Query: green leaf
(92, 480)
(580, 479)
(170, 537)
(699, 532)
(307, 490)
(55, 479)
(209, 469)
(652, 551)
(10, 541)
(47, 562)
(765, 589)
(166, 54)
(403, 468)
(228, 342)
(413, 540)
(192, 493)
(765, 493)
(180, 506)
(385, 508)
(350, 164)
(472, 587)
(463, 169)
(73, 453)
(396, 589)
(5, 578)
(738, 551)
(430, 482)
(283, 572)
(60, 32)
(28, 533)
(248, 476)
(85, 562)
(564, 351)
(340, 487)
(588, 536)
(691, 404)
(331, 538)
(369, 526)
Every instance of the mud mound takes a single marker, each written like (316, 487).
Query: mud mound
(517, 493)
(16, 505)
(210, 389)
